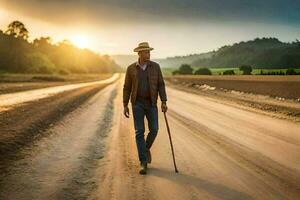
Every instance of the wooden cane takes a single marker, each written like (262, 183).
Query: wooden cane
(171, 142)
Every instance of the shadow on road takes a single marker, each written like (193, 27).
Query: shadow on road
(218, 190)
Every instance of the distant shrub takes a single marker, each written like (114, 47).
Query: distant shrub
(246, 69)
(63, 72)
(175, 72)
(203, 71)
(291, 72)
(47, 78)
(183, 69)
(229, 72)
(272, 72)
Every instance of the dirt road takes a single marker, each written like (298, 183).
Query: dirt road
(222, 152)
(9, 100)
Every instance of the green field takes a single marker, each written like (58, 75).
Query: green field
(219, 71)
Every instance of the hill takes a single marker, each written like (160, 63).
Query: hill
(259, 53)
(175, 62)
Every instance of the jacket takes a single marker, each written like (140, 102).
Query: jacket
(156, 82)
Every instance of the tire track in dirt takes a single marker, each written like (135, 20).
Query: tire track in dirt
(28, 123)
(273, 174)
(66, 159)
(82, 182)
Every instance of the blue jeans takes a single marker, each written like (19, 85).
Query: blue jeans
(140, 109)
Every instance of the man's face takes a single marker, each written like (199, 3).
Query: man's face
(144, 55)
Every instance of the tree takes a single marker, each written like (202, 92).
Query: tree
(228, 72)
(15, 38)
(175, 72)
(39, 63)
(185, 69)
(18, 30)
(18, 55)
(42, 41)
(291, 71)
(203, 71)
(247, 69)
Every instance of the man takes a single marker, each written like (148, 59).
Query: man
(143, 83)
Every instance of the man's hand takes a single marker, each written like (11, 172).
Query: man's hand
(164, 107)
(126, 111)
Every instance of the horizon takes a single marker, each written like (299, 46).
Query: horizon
(191, 54)
(188, 27)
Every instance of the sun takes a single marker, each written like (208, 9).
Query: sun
(80, 41)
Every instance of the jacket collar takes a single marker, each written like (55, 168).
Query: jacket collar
(137, 63)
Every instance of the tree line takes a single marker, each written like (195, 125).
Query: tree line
(186, 69)
(258, 53)
(18, 55)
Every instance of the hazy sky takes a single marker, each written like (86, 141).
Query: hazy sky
(176, 27)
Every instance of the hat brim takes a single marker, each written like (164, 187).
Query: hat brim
(143, 49)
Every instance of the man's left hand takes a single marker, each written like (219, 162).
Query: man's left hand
(164, 107)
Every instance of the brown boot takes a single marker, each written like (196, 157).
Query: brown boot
(143, 168)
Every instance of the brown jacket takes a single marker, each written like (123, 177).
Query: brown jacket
(156, 82)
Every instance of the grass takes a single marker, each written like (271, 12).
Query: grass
(219, 71)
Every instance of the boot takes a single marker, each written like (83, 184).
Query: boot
(143, 168)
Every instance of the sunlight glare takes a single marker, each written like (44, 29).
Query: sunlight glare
(80, 41)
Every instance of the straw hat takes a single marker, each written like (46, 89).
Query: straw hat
(142, 47)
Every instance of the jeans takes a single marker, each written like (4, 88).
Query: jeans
(140, 109)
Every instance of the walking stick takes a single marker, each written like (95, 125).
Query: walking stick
(171, 142)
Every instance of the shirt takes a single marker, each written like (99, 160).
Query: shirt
(142, 66)
(143, 91)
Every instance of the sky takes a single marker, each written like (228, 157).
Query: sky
(172, 27)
